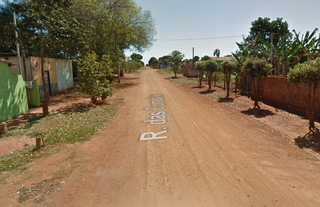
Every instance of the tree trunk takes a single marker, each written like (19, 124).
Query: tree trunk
(200, 77)
(209, 79)
(256, 92)
(215, 79)
(236, 84)
(224, 82)
(116, 41)
(45, 107)
(228, 85)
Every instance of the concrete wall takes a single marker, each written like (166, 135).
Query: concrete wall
(15, 70)
(64, 74)
(49, 65)
(278, 91)
(13, 96)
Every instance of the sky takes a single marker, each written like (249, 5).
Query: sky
(207, 25)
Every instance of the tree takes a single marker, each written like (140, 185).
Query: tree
(196, 58)
(228, 67)
(266, 29)
(200, 67)
(216, 53)
(165, 60)
(93, 79)
(136, 57)
(204, 58)
(153, 61)
(308, 73)
(210, 66)
(176, 59)
(133, 65)
(255, 68)
(48, 16)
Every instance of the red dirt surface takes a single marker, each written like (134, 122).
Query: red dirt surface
(216, 154)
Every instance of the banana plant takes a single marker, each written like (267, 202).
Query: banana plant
(309, 44)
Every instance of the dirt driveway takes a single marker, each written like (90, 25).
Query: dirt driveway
(201, 155)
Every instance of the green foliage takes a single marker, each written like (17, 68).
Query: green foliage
(69, 126)
(228, 67)
(210, 65)
(196, 58)
(216, 52)
(307, 72)
(136, 57)
(176, 59)
(95, 77)
(204, 58)
(133, 65)
(255, 67)
(199, 66)
(153, 61)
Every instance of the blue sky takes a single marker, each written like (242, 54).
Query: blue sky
(222, 22)
(186, 19)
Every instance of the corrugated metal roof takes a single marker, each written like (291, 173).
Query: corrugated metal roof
(222, 58)
(11, 64)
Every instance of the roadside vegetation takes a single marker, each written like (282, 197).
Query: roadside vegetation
(74, 124)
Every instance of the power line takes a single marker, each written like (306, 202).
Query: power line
(204, 38)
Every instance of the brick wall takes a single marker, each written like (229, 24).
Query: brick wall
(278, 91)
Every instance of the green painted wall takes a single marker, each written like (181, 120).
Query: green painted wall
(13, 97)
(35, 96)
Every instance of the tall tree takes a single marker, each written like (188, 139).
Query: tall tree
(308, 73)
(176, 59)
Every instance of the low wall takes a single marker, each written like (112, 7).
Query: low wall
(278, 91)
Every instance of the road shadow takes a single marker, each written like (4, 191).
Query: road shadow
(207, 91)
(310, 140)
(225, 100)
(29, 119)
(197, 87)
(258, 113)
(125, 85)
(79, 107)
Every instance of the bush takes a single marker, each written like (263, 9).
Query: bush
(95, 77)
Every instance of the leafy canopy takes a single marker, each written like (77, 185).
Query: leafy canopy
(94, 77)
(308, 72)
(256, 67)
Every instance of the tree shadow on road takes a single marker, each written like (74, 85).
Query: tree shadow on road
(207, 91)
(125, 85)
(225, 100)
(310, 140)
(258, 113)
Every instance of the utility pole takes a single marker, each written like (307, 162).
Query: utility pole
(193, 55)
(17, 39)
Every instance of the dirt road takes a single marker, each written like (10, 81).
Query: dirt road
(206, 156)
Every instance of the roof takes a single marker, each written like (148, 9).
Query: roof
(9, 63)
(222, 58)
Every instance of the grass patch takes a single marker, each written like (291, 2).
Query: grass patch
(215, 97)
(166, 71)
(74, 124)
(186, 81)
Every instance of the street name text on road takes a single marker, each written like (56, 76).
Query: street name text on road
(156, 118)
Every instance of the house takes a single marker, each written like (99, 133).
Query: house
(13, 95)
(58, 73)
(221, 59)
